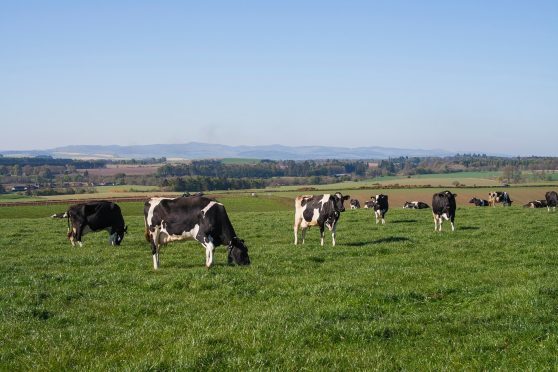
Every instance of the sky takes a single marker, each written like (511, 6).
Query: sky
(464, 76)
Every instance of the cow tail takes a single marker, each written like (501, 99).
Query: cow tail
(146, 232)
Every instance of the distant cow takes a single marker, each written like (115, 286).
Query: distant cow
(59, 215)
(415, 205)
(443, 207)
(318, 210)
(355, 204)
(551, 200)
(192, 218)
(369, 204)
(381, 206)
(95, 216)
(479, 202)
(536, 204)
(499, 197)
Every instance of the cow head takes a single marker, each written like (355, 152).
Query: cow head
(117, 237)
(474, 200)
(238, 252)
(338, 200)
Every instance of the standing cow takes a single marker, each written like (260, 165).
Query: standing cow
(551, 200)
(192, 218)
(443, 207)
(381, 206)
(95, 216)
(318, 210)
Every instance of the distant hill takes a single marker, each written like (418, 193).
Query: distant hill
(196, 150)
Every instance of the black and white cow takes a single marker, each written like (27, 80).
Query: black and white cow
(369, 204)
(95, 216)
(59, 215)
(192, 218)
(551, 200)
(318, 210)
(415, 205)
(443, 207)
(381, 206)
(479, 202)
(536, 204)
(499, 197)
(355, 204)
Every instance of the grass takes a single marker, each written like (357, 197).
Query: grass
(397, 296)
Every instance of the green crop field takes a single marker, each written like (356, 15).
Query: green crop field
(392, 297)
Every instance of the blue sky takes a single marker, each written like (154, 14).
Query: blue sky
(475, 76)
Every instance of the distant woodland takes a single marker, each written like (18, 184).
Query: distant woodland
(46, 175)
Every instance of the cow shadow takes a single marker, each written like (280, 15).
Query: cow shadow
(389, 239)
(403, 221)
(467, 228)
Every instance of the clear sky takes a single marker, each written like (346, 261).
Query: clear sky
(474, 76)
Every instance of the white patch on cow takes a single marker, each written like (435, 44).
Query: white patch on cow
(153, 202)
(165, 237)
(325, 198)
(208, 207)
(209, 250)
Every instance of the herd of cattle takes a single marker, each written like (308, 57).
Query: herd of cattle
(196, 217)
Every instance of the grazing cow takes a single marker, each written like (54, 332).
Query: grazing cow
(95, 216)
(536, 204)
(443, 207)
(192, 218)
(499, 197)
(551, 200)
(415, 205)
(381, 206)
(60, 215)
(479, 202)
(355, 204)
(321, 210)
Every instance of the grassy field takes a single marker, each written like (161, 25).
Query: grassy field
(397, 296)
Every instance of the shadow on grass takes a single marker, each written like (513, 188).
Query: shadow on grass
(467, 228)
(390, 239)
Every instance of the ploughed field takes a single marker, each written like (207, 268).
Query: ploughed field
(398, 296)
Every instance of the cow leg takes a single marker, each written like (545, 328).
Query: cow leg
(333, 234)
(322, 233)
(296, 224)
(383, 220)
(303, 233)
(79, 234)
(435, 222)
(209, 250)
(155, 247)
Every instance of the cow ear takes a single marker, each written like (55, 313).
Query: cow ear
(454, 195)
(346, 197)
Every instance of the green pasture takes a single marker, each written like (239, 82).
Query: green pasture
(392, 297)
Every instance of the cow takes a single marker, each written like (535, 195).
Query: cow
(536, 204)
(499, 197)
(415, 205)
(355, 204)
(479, 202)
(95, 216)
(443, 207)
(192, 218)
(60, 215)
(551, 200)
(318, 210)
(369, 204)
(381, 206)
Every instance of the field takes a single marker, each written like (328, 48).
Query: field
(397, 296)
